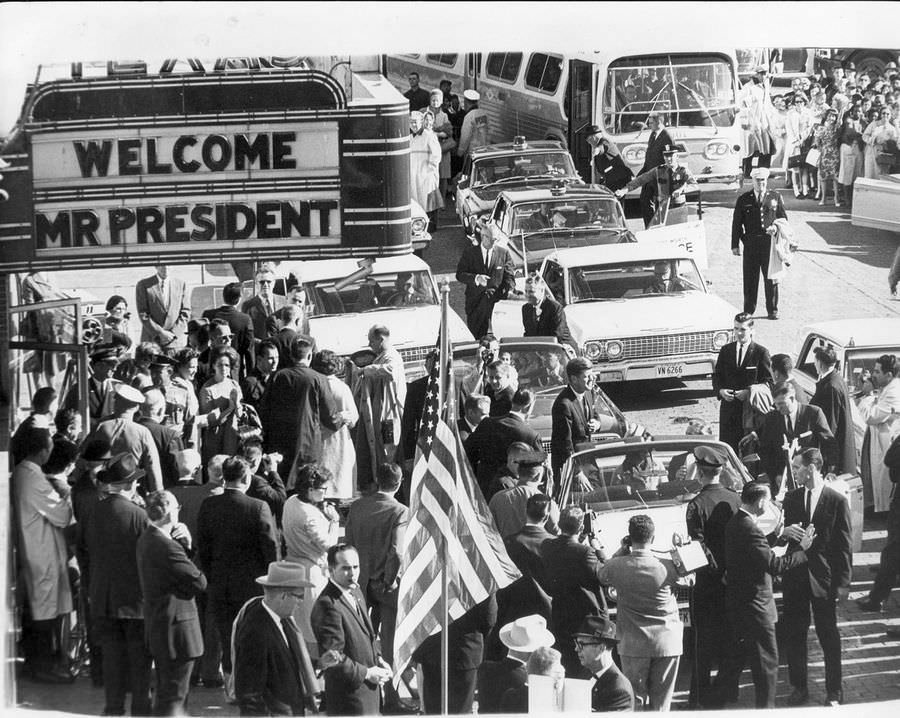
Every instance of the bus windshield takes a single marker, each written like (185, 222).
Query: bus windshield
(689, 90)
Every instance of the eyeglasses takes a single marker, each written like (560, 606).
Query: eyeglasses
(266, 281)
(585, 644)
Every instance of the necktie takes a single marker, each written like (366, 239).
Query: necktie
(790, 426)
(267, 307)
(287, 626)
(652, 138)
(808, 507)
(587, 407)
(487, 259)
(740, 354)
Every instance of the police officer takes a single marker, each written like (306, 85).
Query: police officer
(673, 181)
(474, 130)
(753, 225)
(707, 515)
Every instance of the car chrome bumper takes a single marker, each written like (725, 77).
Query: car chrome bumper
(658, 368)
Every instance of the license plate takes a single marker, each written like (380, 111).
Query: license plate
(670, 370)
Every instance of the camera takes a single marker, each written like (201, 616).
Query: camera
(487, 356)
(591, 524)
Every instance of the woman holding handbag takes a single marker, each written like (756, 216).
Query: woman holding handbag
(797, 128)
(443, 130)
(825, 139)
(877, 134)
(850, 152)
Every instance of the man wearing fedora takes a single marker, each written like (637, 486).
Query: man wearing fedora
(124, 434)
(521, 637)
(273, 673)
(117, 604)
(595, 640)
(753, 225)
(169, 583)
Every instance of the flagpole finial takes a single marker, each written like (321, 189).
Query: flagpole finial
(445, 286)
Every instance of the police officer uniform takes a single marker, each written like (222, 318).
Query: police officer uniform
(752, 217)
(669, 209)
(707, 515)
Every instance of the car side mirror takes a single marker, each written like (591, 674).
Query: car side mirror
(463, 181)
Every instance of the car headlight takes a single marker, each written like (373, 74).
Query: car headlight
(635, 154)
(614, 349)
(721, 338)
(593, 350)
(419, 225)
(716, 150)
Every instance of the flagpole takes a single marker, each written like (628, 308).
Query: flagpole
(443, 382)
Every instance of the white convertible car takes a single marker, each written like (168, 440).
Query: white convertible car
(637, 311)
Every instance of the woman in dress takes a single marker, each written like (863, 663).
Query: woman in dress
(221, 393)
(424, 167)
(117, 316)
(826, 133)
(139, 371)
(777, 122)
(797, 128)
(310, 527)
(444, 132)
(850, 152)
(610, 169)
(876, 135)
(182, 396)
(338, 454)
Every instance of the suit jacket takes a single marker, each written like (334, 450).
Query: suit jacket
(295, 405)
(500, 403)
(810, 429)
(573, 582)
(169, 582)
(612, 692)
(708, 513)
(551, 323)
(755, 368)
(833, 399)
(373, 527)
(462, 426)
(467, 637)
(339, 627)
(524, 548)
(495, 678)
(167, 317)
(501, 272)
(111, 538)
(269, 488)
(523, 597)
(570, 425)
(486, 447)
(168, 444)
(127, 436)
(241, 328)
(749, 567)
(830, 558)
(253, 386)
(253, 308)
(653, 156)
(750, 221)
(283, 339)
(266, 675)
(235, 544)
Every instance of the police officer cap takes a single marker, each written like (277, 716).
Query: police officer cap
(760, 173)
(590, 129)
(673, 149)
(709, 456)
(106, 353)
(130, 394)
(472, 95)
(762, 68)
(161, 360)
(532, 458)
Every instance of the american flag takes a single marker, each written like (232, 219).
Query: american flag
(445, 505)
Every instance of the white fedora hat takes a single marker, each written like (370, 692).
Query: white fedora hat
(284, 574)
(527, 634)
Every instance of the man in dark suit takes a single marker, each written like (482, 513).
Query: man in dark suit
(833, 398)
(595, 641)
(296, 404)
(521, 637)
(273, 672)
(341, 623)
(657, 142)
(572, 571)
(542, 316)
(253, 386)
(235, 544)
(499, 388)
(524, 547)
(741, 364)
(241, 325)
(374, 524)
(487, 272)
(752, 224)
(788, 428)
(110, 540)
(749, 567)
(290, 319)
(263, 305)
(821, 581)
(167, 440)
(475, 408)
(573, 414)
(169, 582)
(162, 305)
(708, 513)
(487, 446)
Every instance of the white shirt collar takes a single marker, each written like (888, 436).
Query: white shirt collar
(822, 376)
(346, 593)
(277, 619)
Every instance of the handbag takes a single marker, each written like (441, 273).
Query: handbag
(795, 162)
(813, 157)
(447, 144)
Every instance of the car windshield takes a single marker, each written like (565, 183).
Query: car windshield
(368, 294)
(488, 170)
(565, 213)
(625, 280)
(689, 90)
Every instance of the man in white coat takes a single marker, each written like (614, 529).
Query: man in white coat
(42, 515)
(880, 409)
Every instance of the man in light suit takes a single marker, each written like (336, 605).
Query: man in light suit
(752, 225)
(542, 316)
(821, 582)
(487, 272)
(833, 398)
(573, 414)
(341, 623)
(163, 307)
(169, 582)
(741, 364)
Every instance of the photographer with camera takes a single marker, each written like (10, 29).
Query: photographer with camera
(266, 485)
(508, 506)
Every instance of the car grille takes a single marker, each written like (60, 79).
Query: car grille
(664, 345)
(415, 354)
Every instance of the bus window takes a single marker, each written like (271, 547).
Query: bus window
(504, 65)
(544, 72)
(448, 60)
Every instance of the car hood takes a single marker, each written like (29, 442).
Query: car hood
(409, 327)
(540, 244)
(671, 313)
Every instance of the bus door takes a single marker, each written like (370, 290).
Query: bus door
(581, 91)
(471, 71)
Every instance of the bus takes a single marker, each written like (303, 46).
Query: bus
(553, 95)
